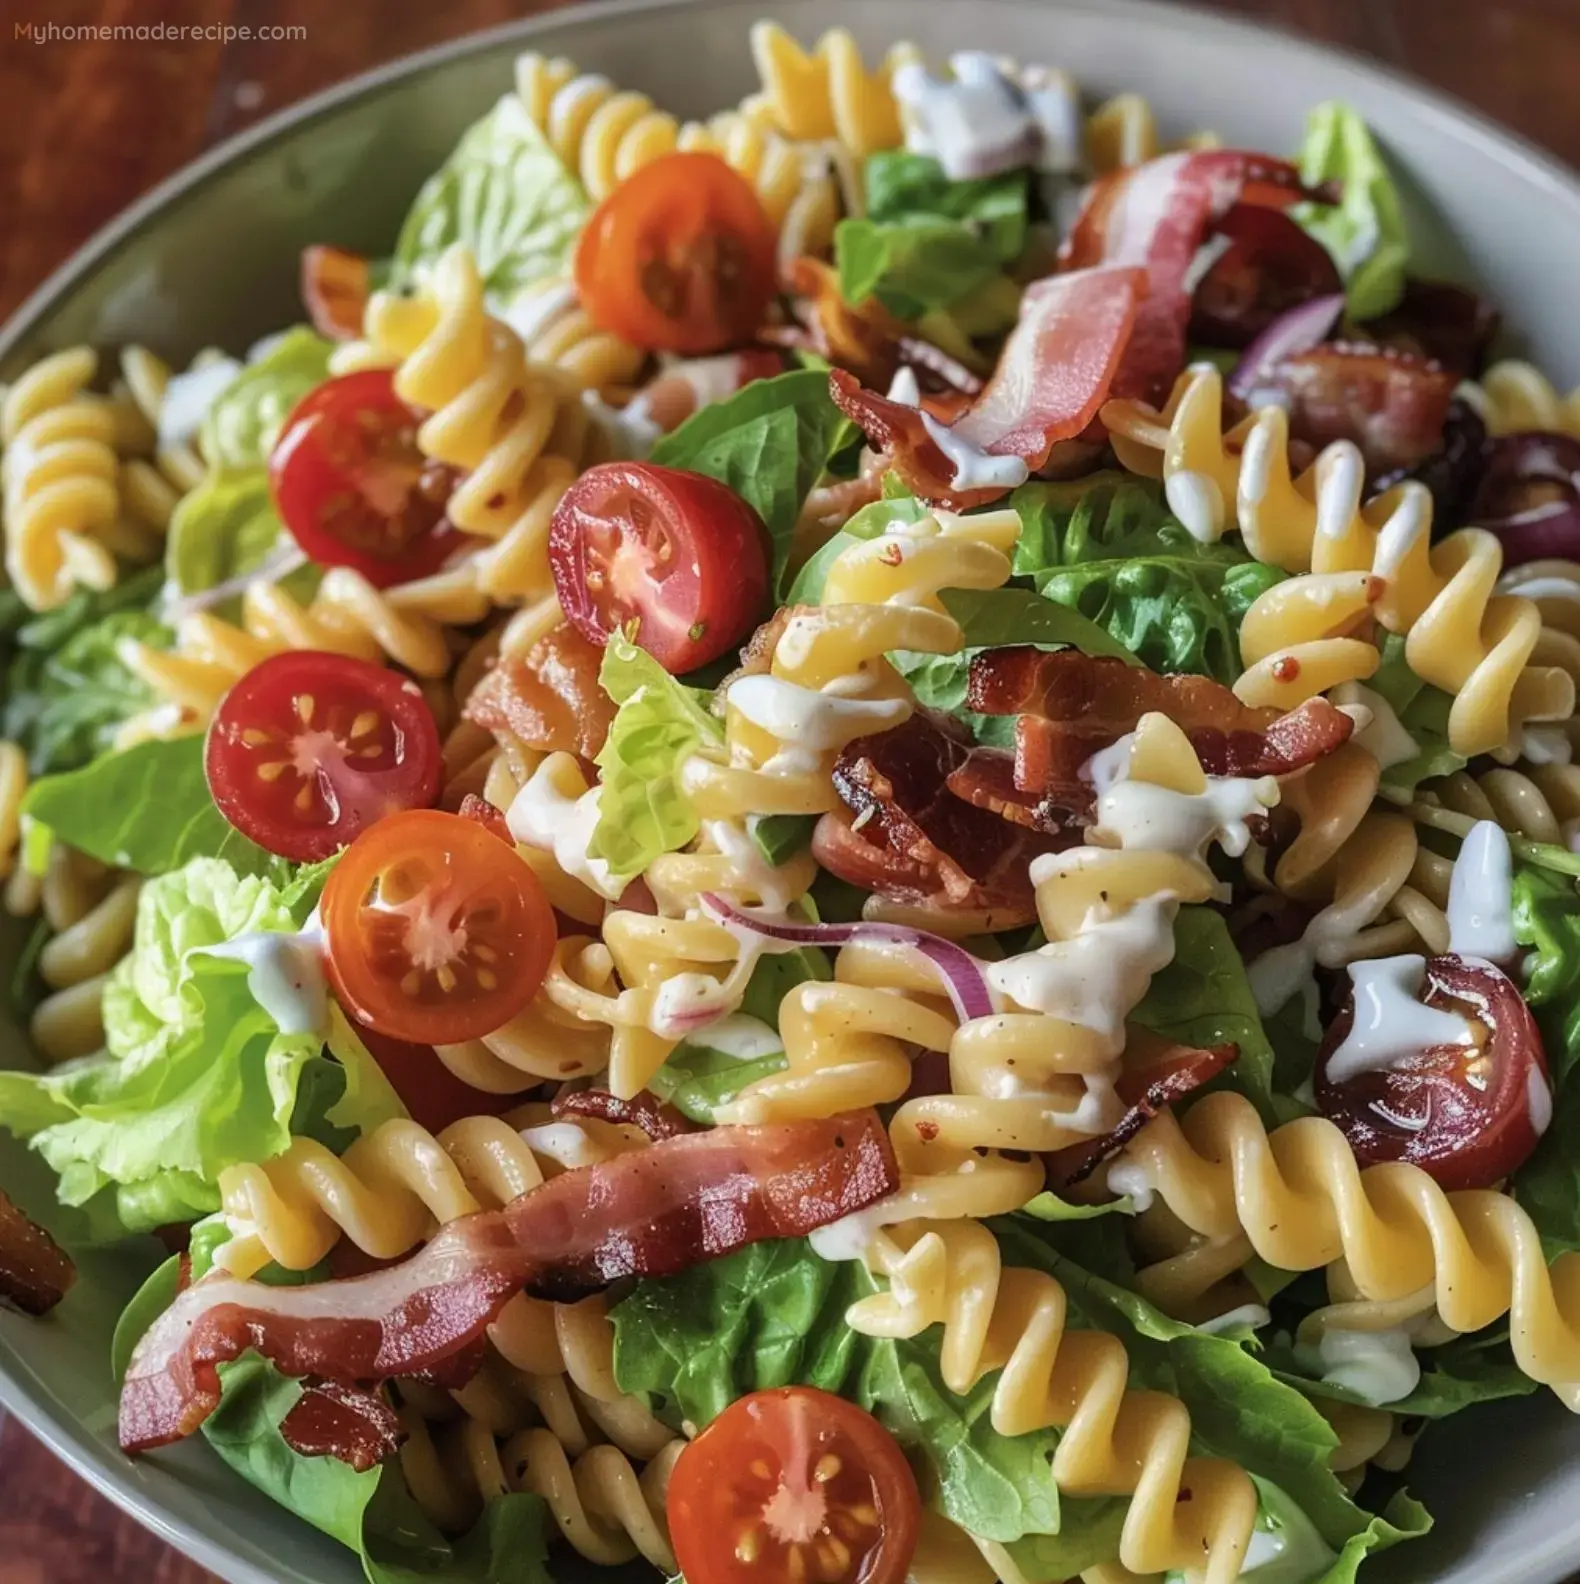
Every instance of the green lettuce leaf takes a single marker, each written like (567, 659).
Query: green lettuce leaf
(505, 194)
(196, 1076)
(242, 425)
(1365, 230)
(779, 837)
(990, 617)
(697, 1078)
(770, 442)
(927, 241)
(226, 526)
(1108, 547)
(899, 506)
(66, 691)
(146, 808)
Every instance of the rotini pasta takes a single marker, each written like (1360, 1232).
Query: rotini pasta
(1515, 397)
(827, 92)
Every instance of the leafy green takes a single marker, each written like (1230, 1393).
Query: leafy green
(196, 1076)
(226, 526)
(927, 241)
(697, 1079)
(1108, 547)
(146, 808)
(1049, 1207)
(66, 690)
(779, 837)
(372, 1513)
(940, 682)
(1203, 998)
(241, 426)
(770, 442)
(776, 975)
(505, 194)
(1365, 230)
(990, 617)
(660, 723)
(150, 1301)
(868, 523)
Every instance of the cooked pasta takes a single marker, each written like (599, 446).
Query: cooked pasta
(827, 92)
(557, 332)
(1515, 397)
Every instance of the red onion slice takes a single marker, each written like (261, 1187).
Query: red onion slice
(1296, 331)
(1530, 497)
(960, 971)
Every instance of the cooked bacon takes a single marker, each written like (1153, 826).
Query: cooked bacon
(335, 286)
(757, 653)
(674, 394)
(644, 1110)
(1156, 215)
(35, 1272)
(1052, 376)
(481, 812)
(650, 1212)
(1392, 404)
(1440, 320)
(1166, 1077)
(331, 1419)
(549, 697)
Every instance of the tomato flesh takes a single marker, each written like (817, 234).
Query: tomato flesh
(1269, 266)
(437, 932)
(1469, 1115)
(678, 554)
(793, 1486)
(679, 257)
(309, 749)
(354, 488)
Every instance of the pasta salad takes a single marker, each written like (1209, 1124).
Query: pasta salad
(833, 846)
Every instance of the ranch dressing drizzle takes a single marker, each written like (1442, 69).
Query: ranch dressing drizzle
(285, 974)
(1390, 1020)
(973, 468)
(544, 814)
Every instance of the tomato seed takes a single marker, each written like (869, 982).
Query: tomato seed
(828, 1466)
(305, 705)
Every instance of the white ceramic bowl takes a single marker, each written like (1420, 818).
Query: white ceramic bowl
(210, 257)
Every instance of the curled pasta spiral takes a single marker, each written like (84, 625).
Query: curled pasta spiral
(1301, 1202)
(1514, 397)
(557, 332)
(1540, 802)
(1296, 638)
(1460, 635)
(13, 788)
(1123, 131)
(827, 92)
(1115, 1441)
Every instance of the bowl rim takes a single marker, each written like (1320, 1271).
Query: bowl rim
(1459, 121)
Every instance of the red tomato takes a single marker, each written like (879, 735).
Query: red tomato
(309, 748)
(1463, 1113)
(437, 932)
(679, 554)
(433, 1095)
(679, 257)
(1269, 267)
(354, 489)
(793, 1485)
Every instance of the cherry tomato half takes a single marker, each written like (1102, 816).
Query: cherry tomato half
(437, 932)
(792, 1485)
(433, 1095)
(679, 257)
(308, 749)
(1270, 266)
(1467, 1114)
(679, 554)
(354, 489)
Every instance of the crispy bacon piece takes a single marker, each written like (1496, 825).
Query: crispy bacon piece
(645, 1110)
(1166, 1076)
(1052, 376)
(35, 1272)
(482, 812)
(1155, 216)
(1392, 404)
(335, 288)
(650, 1212)
(1437, 319)
(334, 1420)
(549, 697)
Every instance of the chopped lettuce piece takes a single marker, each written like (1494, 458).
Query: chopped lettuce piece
(990, 617)
(226, 526)
(244, 422)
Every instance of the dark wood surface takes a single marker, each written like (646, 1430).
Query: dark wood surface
(87, 126)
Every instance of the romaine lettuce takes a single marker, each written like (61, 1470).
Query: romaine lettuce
(242, 425)
(226, 526)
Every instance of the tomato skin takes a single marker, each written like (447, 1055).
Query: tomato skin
(433, 1095)
(679, 257)
(1270, 266)
(678, 553)
(1468, 1122)
(793, 1484)
(306, 708)
(437, 932)
(353, 487)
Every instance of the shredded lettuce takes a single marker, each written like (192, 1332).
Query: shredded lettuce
(1108, 547)
(241, 426)
(642, 810)
(505, 194)
(1365, 230)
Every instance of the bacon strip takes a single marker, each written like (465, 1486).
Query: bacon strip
(35, 1272)
(650, 1212)
(1052, 377)
(1155, 216)
(333, 1420)
(549, 697)
(645, 1110)
(335, 287)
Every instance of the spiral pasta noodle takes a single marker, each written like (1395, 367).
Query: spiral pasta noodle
(1539, 802)
(826, 92)
(1123, 131)
(557, 332)
(1515, 397)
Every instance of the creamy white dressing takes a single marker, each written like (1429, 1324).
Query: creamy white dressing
(564, 1143)
(1138, 815)
(807, 719)
(1383, 734)
(756, 873)
(632, 433)
(977, 124)
(1546, 745)
(1380, 1367)
(1407, 527)
(686, 1003)
(1110, 765)
(189, 396)
(1254, 1315)
(531, 315)
(741, 1038)
(1131, 1180)
(1391, 1022)
(974, 468)
(1481, 896)
(285, 974)
(1197, 501)
(543, 815)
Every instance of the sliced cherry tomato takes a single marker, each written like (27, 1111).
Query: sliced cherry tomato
(308, 749)
(1270, 266)
(437, 932)
(354, 488)
(793, 1485)
(1467, 1114)
(679, 554)
(679, 257)
(433, 1095)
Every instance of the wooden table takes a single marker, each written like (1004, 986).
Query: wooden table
(87, 126)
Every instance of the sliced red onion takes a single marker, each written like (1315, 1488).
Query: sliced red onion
(960, 971)
(1298, 330)
(1530, 497)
